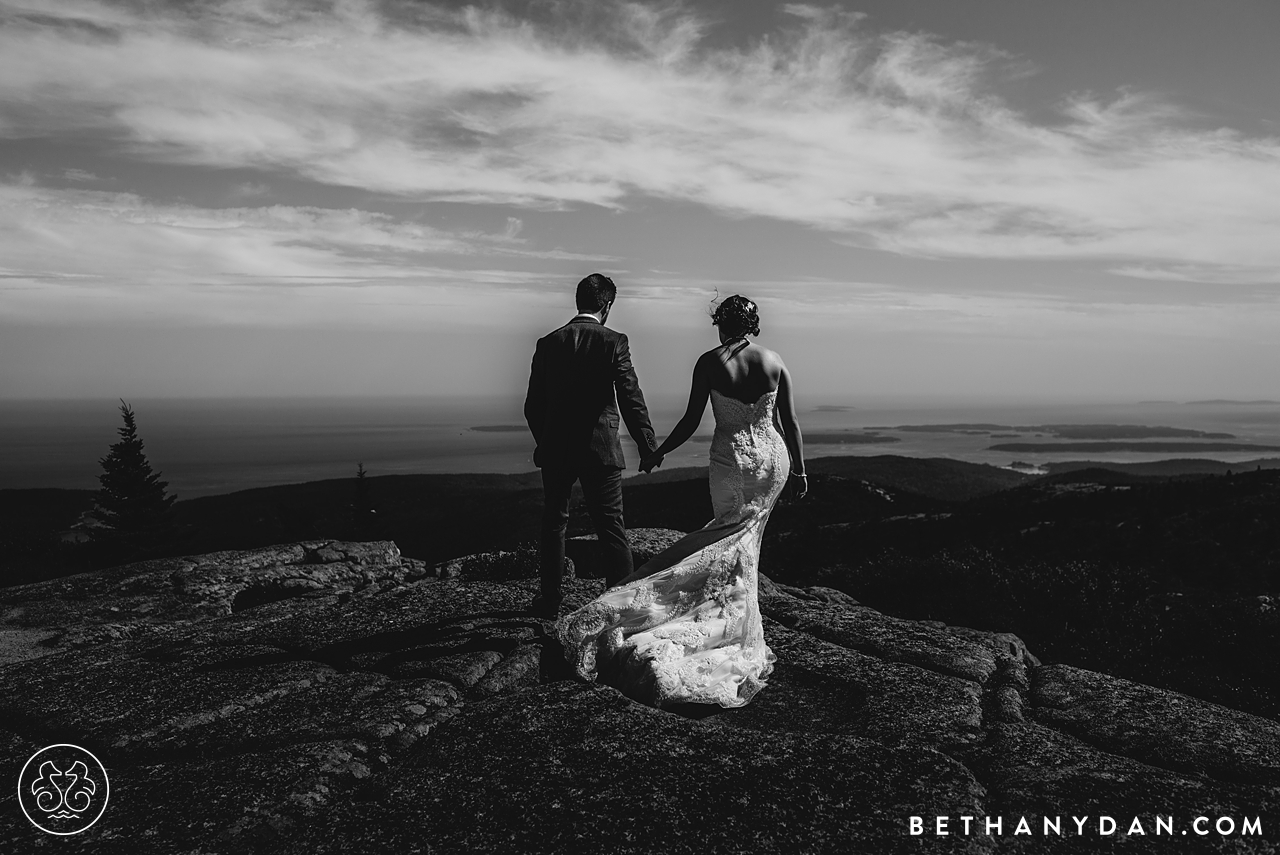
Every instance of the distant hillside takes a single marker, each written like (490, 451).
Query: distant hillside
(665, 476)
(432, 517)
(32, 526)
(1219, 401)
(1168, 468)
(934, 477)
(44, 508)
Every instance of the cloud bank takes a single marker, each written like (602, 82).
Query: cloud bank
(896, 141)
(81, 253)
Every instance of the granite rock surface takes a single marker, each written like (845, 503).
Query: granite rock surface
(337, 697)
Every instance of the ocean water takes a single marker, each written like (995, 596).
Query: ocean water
(209, 446)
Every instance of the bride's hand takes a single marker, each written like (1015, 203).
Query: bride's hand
(650, 461)
(799, 485)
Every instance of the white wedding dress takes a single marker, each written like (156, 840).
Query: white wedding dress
(690, 630)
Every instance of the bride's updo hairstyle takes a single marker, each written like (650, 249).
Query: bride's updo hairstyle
(737, 315)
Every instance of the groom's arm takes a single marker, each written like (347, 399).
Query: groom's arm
(535, 401)
(630, 398)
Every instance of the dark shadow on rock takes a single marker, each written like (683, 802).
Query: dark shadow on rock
(795, 700)
(445, 633)
(460, 649)
(247, 661)
(553, 667)
(469, 642)
(263, 594)
(696, 712)
(799, 700)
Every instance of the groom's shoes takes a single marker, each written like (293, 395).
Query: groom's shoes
(544, 607)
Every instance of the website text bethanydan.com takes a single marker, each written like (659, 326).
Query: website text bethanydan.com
(1080, 826)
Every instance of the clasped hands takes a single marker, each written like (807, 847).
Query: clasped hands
(651, 461)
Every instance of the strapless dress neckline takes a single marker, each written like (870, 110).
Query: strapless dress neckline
(764, 395)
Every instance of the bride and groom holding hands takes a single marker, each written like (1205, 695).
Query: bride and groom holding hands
(684, 627)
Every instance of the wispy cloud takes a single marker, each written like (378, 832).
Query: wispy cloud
(79, 175)
(111, 234)
(250, 190)
(895, 140)
(98, 255)
(1225, 274)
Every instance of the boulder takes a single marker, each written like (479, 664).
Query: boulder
(497, 566)
(156, 596)
(1158, 727)
(584, 551)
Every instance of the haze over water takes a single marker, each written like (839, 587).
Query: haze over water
(210, 446)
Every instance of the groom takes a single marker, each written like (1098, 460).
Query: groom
(573, 414)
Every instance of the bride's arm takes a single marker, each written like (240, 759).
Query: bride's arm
(699, 392)
(790, 424)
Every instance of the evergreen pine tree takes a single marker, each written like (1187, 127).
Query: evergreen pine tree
(133, 504)
(364, 518)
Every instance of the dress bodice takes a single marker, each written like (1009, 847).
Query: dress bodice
(748, 456)
(733, 415)
(744, 431)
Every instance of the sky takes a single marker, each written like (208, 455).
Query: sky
(977, 200)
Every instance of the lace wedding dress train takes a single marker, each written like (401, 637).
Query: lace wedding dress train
(689, 631)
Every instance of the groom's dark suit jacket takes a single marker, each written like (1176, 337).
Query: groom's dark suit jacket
(581, 378)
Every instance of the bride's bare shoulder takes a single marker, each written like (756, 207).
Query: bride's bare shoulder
(769, 357)
(707, 364)
(710, 358)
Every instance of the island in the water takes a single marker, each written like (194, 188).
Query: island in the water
(1264, 402)
(1087, 431)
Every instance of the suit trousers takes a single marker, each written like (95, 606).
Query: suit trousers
(602, 490)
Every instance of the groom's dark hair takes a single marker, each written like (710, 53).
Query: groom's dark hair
(595, 292)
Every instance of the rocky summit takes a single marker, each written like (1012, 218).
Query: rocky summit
(337, 697)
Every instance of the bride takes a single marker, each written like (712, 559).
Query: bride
(685, 627)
